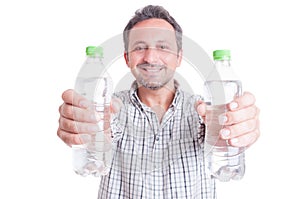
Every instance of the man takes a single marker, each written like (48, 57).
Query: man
(159, 131)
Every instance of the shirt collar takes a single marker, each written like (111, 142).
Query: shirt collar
(135, 99)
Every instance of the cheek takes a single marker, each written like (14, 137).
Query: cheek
(133, 60)
(172, 62)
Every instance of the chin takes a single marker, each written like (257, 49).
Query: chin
(151, 85)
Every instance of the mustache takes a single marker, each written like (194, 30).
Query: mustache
(148, 65)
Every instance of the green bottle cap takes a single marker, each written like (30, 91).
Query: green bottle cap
(221, 55)
(94, 50)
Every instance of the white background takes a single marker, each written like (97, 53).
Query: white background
(42, 48)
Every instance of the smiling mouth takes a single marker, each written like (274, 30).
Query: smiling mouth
(150, 68)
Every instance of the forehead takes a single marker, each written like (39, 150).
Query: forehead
(153, 23)
(152, 30)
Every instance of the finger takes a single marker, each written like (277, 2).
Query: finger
(75, 113)
(238, 129)
(246, 100)
(233, 117)
(245, 140)
(69, 138)
(72, 97)
(77, 127)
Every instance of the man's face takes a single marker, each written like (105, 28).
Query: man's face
(152, 53)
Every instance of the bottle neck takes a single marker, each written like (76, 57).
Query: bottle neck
(93, 59)
(222, 63)
(223, 71)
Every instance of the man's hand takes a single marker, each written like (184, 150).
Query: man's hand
(76, 118)
(241, 122)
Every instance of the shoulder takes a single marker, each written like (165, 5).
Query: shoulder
(190, 98)
(188, 104)
(122, 95)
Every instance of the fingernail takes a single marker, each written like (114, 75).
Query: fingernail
(225, 133)
(222, 119)
(233, 105)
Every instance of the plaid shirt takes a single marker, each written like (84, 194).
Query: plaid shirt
(154, 159)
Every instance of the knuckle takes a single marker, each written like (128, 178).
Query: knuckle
(232, 117)
(68, 111)
(241, 127)
(244, 127)
(67, 125)
(75, 139)
(253, 98)
(71, 126)
(62, 109)
(257, 111)
(62, 136)
(252, 137)
(257, 133)
(254, 111)
(58, 132)
(250, 96)
(59, 108)
(61, 122)
(243, 114)
(68, 138)
(249, 125)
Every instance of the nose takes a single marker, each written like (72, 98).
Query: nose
(151, 55)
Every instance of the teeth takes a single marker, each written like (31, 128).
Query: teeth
(153, 70)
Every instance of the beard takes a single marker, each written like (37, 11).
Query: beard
(151, 85)
(153, 76)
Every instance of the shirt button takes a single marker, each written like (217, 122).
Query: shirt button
(157, 138)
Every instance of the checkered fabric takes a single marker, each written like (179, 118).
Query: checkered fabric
(154, 159)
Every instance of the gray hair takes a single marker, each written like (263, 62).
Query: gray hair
(150, 12)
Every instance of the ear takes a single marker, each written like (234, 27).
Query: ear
(179, 58)
(126, 58)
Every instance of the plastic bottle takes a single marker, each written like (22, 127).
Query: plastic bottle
(95, 155)
(221, 87)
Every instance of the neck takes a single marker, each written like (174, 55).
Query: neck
(159, 100)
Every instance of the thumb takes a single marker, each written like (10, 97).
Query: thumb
(115, 105)
(200, 107)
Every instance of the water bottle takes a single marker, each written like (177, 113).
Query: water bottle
(221, 87)
(94, 156)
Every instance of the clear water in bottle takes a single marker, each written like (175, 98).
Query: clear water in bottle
(225, 162)
(95, 155)
(221, 87)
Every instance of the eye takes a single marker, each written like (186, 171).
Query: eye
(163, 47)
(140, 48)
